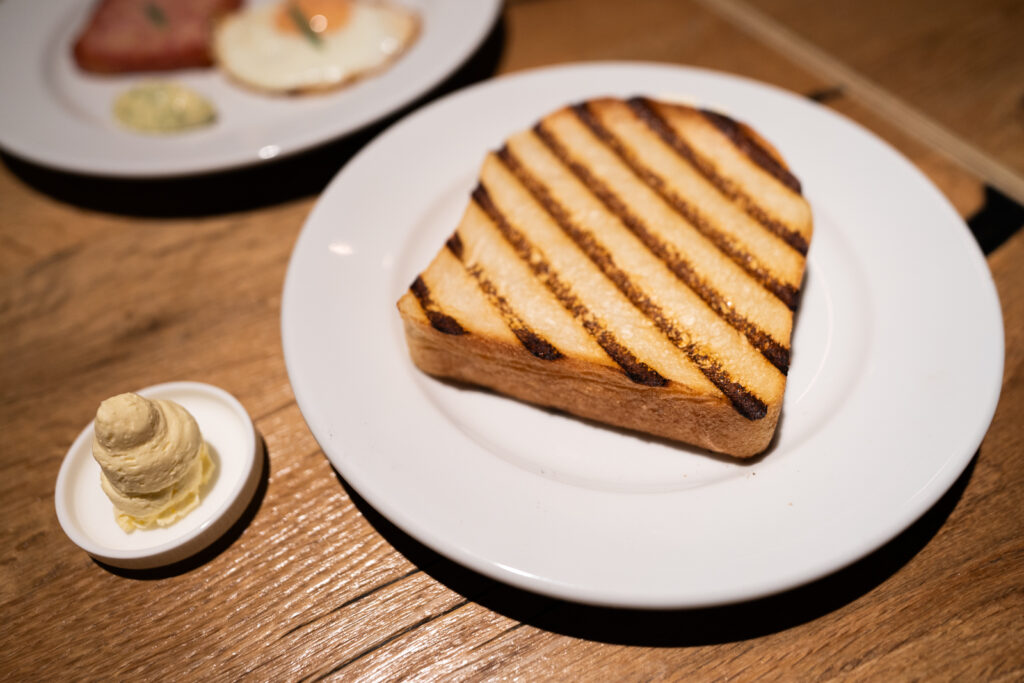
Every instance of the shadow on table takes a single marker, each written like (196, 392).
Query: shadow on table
(214, 549)
(675, 628)
(301, 175)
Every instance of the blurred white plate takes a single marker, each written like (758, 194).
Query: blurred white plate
(897, 365)
(59, 116)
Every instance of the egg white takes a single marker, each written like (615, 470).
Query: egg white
(253, 51)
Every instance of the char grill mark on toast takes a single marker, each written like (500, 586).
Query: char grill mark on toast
(752, 148)
(440, 321)
(647, 114)
(533, 342)
(727, 245)
(635, 369)
(745, 402)
(454, 245)
(776, 353)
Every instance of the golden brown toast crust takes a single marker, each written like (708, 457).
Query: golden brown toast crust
(622, 262)
(595, 392)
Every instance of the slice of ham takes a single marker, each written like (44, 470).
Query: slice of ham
(149, 35)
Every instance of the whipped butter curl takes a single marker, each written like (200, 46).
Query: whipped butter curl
(153, 460)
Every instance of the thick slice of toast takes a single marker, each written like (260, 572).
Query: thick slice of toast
(633, 262)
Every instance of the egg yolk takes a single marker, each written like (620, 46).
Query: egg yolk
(323, 16)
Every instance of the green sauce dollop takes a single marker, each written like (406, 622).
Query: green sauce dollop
(162, 107)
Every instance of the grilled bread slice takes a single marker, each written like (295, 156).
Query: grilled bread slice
(633, 262)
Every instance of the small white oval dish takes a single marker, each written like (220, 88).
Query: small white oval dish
(86, 514)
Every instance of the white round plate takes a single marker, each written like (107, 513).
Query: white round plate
(87, 515)
(897, 364)
(59, 116)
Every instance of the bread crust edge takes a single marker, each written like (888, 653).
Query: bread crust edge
(585, 389)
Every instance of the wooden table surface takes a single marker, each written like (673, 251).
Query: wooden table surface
(110, 286)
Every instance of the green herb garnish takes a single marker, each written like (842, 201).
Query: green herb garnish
(155, 14)
(302, 23)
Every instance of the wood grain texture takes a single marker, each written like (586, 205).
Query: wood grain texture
(313, 583)
(958, 61)
(891, 104)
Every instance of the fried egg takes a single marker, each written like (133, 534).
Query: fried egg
(295, 46)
